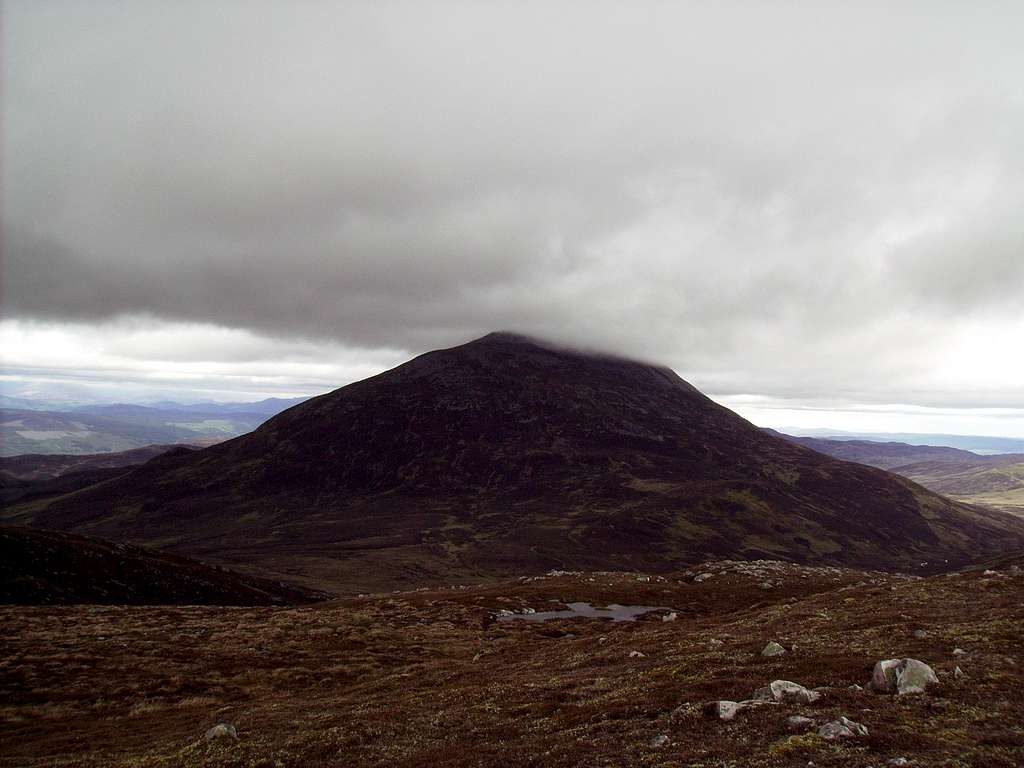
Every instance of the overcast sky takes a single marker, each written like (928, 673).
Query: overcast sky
(812, 211)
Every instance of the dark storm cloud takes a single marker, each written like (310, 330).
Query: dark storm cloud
(776, 197)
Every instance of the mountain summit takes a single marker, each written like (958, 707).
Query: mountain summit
(508, 455)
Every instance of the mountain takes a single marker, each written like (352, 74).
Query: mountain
(995, 481)
(509, 456)
(49, 567)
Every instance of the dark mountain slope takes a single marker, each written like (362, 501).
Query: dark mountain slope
(49, 567)
(509, 456)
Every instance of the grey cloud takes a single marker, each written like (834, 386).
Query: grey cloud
(767, 196)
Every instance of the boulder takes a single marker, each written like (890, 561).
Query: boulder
(723, 710)
(222, 731)
(773, 649)
(799, 723)
(901, 676)
(786, 691)
(843, 728)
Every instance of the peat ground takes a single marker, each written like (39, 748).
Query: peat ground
(424, 678)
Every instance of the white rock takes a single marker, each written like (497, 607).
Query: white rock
(901, 676)
(700, 577)
(724, 710)
(784, 690)
(637, 655)
(670, 617)
(661, 740)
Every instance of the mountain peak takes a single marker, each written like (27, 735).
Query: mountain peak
(508, 455)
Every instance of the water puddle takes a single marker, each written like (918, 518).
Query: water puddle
(615, 612)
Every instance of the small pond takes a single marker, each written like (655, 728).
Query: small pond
(614, 612)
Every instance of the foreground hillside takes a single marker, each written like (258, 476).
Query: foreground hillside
(49, 567)
(425, 678)
(507, 456)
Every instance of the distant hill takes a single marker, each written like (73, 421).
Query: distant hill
(510, 456)
(981, 444)
(121, 427)
(49, 567)
(43, 466)
(878, 454)
(995, 481)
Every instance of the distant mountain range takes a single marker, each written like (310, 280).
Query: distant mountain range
(980, 444)
(511, 456)
(111, 428)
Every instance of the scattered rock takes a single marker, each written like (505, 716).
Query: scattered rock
(959, 652)
(715, 643)
(901, 676)
(773, 649)
(784, 690)
(843, 728)
(855, 687)
(222, 731)
(670, 617)
(897, 761)
(920, 634)
(723, 710)
(637, 655)
(700, 577)
(659, 741)
(799, 723)
(958, 673)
